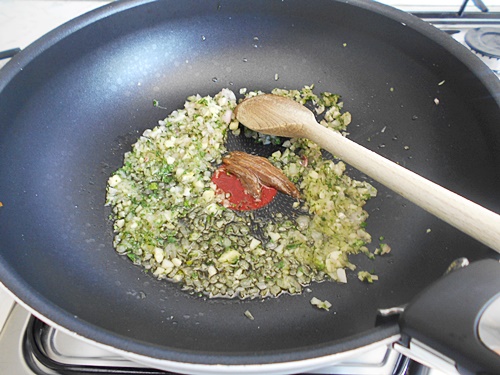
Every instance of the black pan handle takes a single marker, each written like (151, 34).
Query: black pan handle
(9, 53)
(458, 317)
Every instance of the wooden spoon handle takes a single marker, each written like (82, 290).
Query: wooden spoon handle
(469, 217)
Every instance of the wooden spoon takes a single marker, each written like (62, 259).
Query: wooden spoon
(276, 115)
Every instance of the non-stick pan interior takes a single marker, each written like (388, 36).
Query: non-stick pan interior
(74, 102)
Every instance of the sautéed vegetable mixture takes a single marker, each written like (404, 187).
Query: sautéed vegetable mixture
(170, 218)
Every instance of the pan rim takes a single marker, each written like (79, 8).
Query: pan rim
(276, 362)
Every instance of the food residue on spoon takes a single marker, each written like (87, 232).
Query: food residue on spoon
(250, 182)
(235, 195)
(250, 168)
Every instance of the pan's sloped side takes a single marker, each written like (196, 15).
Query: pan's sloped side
(74, 102)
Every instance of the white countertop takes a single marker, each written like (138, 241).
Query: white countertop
(24, 21)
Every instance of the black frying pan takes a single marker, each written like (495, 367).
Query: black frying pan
(72, 103)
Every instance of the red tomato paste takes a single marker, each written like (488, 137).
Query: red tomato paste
(236, 196)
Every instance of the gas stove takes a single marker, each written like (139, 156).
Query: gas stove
(29, 346)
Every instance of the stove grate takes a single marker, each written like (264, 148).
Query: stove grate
(40, 363)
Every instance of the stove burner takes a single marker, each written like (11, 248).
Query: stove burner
(40, 362)
(485, 40)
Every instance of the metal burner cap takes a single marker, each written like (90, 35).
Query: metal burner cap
(485, 40)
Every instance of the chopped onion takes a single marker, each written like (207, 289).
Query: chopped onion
(325, 305)
(249, 315)
(341, 275)
(227, 116)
